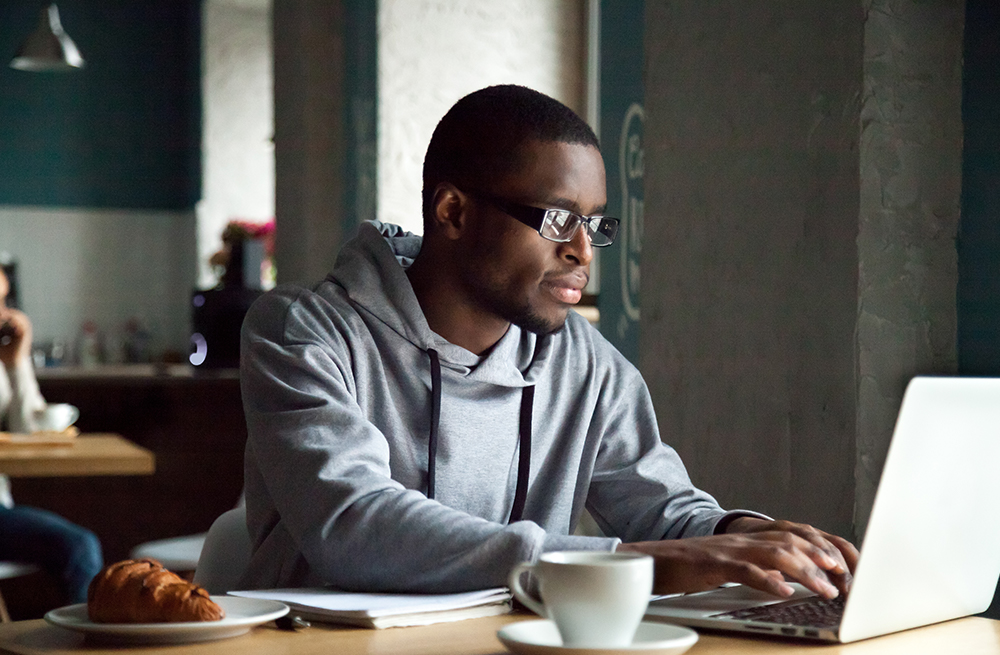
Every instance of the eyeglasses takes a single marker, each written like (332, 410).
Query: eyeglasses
(559, 225)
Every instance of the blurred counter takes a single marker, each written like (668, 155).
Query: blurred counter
(133, 372)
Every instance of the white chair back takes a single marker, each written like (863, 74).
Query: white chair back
(13, 570)
(176, 553)
(16, 569)
(226, 553)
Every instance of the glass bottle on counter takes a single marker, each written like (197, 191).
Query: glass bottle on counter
(89, 345)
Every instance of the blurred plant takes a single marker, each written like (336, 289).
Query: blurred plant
(240, 230)
(237, 229)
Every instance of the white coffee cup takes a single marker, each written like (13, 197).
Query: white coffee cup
(596, 599)
(56, 417)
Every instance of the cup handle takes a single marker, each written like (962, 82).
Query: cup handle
(515, 587)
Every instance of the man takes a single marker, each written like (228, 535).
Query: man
(433, 413)
(70, 553)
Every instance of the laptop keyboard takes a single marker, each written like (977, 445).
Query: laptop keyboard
(814, 612)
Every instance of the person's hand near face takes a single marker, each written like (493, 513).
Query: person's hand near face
(15, 337)
(15, 330)
(755, 552)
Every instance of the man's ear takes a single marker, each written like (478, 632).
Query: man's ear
(450, 208)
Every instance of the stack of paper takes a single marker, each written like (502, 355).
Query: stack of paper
(386, 610)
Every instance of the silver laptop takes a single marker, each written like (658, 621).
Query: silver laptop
(931, 551)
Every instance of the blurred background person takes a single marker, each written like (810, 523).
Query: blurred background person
(68, 552)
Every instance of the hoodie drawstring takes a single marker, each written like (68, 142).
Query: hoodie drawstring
(524, 456)
(524, 442)
(432, 441)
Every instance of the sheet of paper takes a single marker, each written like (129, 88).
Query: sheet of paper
(377, 604)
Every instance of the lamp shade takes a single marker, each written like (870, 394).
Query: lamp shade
(48, 48)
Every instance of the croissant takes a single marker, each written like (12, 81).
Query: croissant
(143, 591)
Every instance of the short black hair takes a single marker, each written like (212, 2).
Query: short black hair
(480, 137)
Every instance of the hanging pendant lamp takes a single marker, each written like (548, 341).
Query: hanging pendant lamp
(48, 48)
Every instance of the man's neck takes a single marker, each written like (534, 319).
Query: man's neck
(450, 313)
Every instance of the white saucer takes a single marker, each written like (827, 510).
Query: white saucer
(542, 638)
(242, 614)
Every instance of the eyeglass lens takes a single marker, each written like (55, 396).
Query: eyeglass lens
(561, 225)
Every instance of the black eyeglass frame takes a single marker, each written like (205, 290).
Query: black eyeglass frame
(536, 217)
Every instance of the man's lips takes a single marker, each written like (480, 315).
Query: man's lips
(567, 288)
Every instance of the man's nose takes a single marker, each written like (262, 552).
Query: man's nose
(578, 250)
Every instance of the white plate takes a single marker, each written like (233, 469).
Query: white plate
(242, 614)
(542, 638)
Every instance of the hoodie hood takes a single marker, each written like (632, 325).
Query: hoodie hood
(371, 268)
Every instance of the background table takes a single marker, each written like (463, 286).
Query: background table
(89, 454)
(192, 421)
(478, 637)
(107, 455)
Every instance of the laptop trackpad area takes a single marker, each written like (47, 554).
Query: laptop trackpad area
(716, 601)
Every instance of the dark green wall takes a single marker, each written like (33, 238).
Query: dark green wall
(622, 120)
(979, 236)
(361, 118)
(123, 132)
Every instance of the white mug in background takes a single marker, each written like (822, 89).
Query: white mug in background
(596, 599)
(56, 417)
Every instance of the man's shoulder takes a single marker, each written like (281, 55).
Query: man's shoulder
(290, 309)
(323, 296)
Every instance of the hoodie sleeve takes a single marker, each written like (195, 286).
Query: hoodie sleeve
(640, 489)
(322, 505)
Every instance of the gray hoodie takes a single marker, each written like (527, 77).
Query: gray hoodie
(337, 389)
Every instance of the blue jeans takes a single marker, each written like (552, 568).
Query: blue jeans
(70, 553)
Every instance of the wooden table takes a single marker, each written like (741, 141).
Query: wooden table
(971, 636)
(193, 423)
(89, 454)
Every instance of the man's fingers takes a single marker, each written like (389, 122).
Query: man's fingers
(796, 558)
(832, 553)
(845, 559)
(826, 555)
(847, 550)
(759, 558)
(824, 559)
(770, 581)
(830, 559)
(842, 576)
(841, 581)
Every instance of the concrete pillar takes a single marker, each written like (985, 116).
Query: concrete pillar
(310, 148)
(325, 106)
(911, 183)
(779, 298)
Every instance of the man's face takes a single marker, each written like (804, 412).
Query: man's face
(510, 270)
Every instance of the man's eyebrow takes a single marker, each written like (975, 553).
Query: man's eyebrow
(566, 203)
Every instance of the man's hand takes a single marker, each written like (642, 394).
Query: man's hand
(836, 547)
(15, 344)
(754, 552)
